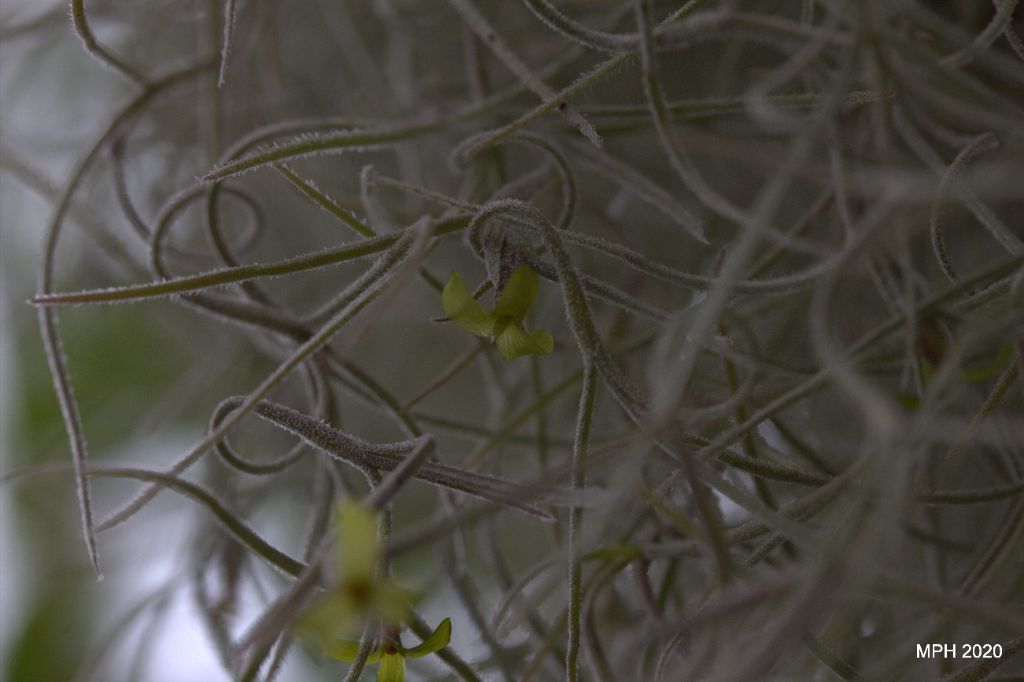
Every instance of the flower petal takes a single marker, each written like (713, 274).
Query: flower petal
(519, 294)
(437, 640)
(329, 619)
(461, 309)
(514, 342)
(392, 668)
(544, 342)
(347, 650)
(356, 542)
(392, 602)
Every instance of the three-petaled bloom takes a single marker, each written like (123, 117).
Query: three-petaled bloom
(392, 655)
(505, 323)
(361, 591)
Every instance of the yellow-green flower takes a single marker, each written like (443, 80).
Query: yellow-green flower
(392, 655)
(360, 589)
(505, 323)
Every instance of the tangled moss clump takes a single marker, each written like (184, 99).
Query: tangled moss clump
(774, 431)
